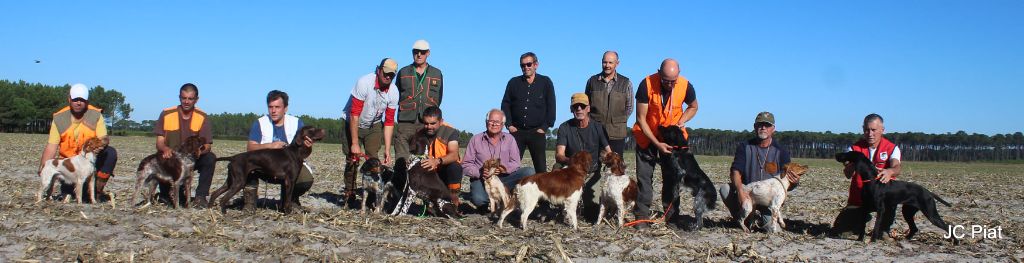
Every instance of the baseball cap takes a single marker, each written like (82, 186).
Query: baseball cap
(421, 45)
(78, 90)
(580, 98)
(765, 116)
(389, 66)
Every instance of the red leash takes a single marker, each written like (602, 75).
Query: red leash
(662, 219)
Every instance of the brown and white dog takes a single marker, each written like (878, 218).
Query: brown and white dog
(619, 191)
(770, 193)
(77, 170)
(497, 194)
(377, 180)
(563, 187)
(175, 171)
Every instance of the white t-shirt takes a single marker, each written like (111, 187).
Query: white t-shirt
(894, 155)
(375, 102)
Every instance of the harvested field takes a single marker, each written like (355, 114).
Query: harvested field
(51, 231)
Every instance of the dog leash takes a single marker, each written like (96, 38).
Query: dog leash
(634, 222)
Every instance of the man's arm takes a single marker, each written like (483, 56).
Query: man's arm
(560, 155)
(641, 112)
(389, 130)
(691, 110)
(255, 136)
(888, 174)
(629, 98)
(49, 152)
(471, 164)
(506, 107)
(551, 106)
(353, 131)
(161, 146)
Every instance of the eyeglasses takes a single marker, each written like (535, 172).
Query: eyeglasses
(490, 122)
(578, 106)
(526, 65)
(764, 125)
(419, 52)
(665, 82)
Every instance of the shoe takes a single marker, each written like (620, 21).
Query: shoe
(200, 202)
(250, 195)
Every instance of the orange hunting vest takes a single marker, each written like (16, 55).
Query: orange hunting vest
(661, 115)
(172, 126)
(71, 143)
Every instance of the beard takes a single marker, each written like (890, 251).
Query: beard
(762, 136)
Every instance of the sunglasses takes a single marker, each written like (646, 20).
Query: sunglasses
(79, 100)
(389, 75)
(762, 125)
(578, 106)
(419, 52)
(526, 65)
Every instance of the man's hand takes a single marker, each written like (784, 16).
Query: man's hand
(541, 131)
(512, 129)
(354, 149)
(663, 147)
(167, 153)
(431, 164)
(884, 175)
(276, 145)
(742, 195)
(387, 158)
(793, 177)
(307, 141)
(681, 125)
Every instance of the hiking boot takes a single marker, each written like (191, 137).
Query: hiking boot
(200, 202)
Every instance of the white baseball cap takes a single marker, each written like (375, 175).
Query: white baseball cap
(421, 45)
(79, 90)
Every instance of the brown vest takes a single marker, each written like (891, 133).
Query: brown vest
(609, 108)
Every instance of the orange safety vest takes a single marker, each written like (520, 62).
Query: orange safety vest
(439, 147)
(880, 160)
(172, 127)
(71, 143)
(659, 115)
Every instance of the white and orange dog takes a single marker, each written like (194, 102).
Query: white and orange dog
(497, 194)
(619, 191)
(77, 170)
(771, 193)
(562, 187)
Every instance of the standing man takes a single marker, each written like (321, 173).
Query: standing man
(581, 134)
(760, 158)
(611, 100)
(369, 118)
(885, 155)
(443, 151)
(659, 103)
(71, 127)
(529, 102)
(487, 145)
(176, 124)
(275, 131)
(420, 85)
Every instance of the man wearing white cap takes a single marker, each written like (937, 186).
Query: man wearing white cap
(420, 85)
(370, 110)
(71, 127)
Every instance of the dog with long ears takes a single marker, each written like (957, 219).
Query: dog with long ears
(175, 171)
(377, 179)
(882, 198)
(691, 176)
(771, 193)
(281, 166)
(497, 193)
(424, 184)
(619, 191)
(563, 187)
(78, 170)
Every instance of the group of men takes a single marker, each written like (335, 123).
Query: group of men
(410, 98)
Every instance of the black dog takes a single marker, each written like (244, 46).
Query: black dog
(281, 166)
(883, 199)
(423, 184)
(686, 167)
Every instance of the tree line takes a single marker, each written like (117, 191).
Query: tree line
(27, 107)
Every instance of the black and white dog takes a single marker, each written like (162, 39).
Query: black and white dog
(883, 199)
(685, 165)
(423, 184)
(377, 179)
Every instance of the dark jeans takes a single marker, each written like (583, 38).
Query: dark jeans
(450, 174)
(618, 146)
(204, 164)
(478, 195)
(530, 139)
(645, 161)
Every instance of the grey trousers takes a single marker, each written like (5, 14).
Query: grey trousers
(645, 161)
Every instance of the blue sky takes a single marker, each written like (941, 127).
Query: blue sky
(930, 66)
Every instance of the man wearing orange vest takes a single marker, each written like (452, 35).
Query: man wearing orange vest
(885, 155)
(71, 127)
(180, 122)
(443, 151)
(659, 103)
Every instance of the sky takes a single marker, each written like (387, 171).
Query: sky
(926, 66)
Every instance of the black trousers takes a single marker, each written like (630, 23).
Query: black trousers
(204, 164)
(530, 139)
(618, 146)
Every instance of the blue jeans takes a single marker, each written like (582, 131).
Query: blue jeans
(478, 195)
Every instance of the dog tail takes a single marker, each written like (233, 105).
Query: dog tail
(710, 194)
(940, 200)
(219, 159)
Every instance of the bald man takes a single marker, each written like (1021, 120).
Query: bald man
(659, 103)
(611, 101)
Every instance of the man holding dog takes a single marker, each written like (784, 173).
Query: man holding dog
(177, 123)
(884, 154)
(760, 158)
(442, 151)
(611, 100)
(583, 134)
(369, 118)
(275, 131)
(659, 103)
(71, 127)
(493, 143)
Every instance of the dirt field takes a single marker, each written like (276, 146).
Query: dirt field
(51, 231)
